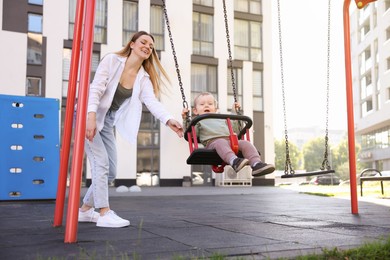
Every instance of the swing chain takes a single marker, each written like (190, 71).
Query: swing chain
(185, 103)
(288, 169)
(325, 162)
(230, 55)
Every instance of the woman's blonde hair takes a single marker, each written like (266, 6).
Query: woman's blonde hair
(152, 65)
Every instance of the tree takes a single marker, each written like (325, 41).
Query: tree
(313, 154)
(341, 160)
(280, 155)
(341, 154)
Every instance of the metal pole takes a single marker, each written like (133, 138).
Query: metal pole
(67, 135)
(351, 129)
(77, 160)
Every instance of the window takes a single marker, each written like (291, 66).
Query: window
(248, 6)
(203, 34)
(258, 91)
(35, 23)
(34, 39)
(35, 2)
(366, 106)
(387, 33)
(247, 40)
(365, 60)
(157, 26)
(148, 150)
(238, 87)
(66, 59)
(387, 5)
(366, 87)
(368, 82)
(130, 20)
(100, 30)
(203, 79)
(365, 28)
(34, 49)
(72, 17)
(204, 2)
(388, 93)
(376, 139)
(388, 63)
(33, 86)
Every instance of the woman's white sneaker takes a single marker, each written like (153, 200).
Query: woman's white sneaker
(88, 216)
(112, 220)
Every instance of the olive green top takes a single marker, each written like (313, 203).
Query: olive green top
(121, 94)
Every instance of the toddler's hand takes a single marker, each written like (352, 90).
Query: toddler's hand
(184, 113)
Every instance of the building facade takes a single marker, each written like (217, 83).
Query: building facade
(370, 41)
(36, 50)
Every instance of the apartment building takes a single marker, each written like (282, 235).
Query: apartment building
(370, 42)
(36, 46)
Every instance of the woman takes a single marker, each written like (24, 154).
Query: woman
(123, 81)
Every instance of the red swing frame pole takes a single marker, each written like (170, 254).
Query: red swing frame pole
(68, 122)
(78, 154)
(351, 125)
(351, 129)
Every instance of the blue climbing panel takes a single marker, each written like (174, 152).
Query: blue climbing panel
(29, 147)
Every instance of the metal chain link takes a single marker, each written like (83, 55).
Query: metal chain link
(325, 162)
(185, 103)
(288, 169)
(230, 53)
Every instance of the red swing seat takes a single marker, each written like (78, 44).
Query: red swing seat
(203, 156)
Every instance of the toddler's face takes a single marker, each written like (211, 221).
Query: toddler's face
(205, 104)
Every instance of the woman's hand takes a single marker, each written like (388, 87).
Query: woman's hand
(90, 129)
(176, 127)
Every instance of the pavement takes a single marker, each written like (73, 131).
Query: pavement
(198, 223)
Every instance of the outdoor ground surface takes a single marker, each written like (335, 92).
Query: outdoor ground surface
(197, 222)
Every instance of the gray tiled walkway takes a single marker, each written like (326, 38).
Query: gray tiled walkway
(196, 222)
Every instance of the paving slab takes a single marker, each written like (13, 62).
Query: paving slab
(198, 222)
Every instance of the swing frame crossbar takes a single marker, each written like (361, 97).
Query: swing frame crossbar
(204, 156)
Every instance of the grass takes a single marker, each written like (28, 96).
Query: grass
(370, 190)
(378, 250)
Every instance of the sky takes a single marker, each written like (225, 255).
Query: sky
(304, 44)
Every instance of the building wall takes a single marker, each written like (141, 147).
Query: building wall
(13, 52)
(372, 124)
(174, 151)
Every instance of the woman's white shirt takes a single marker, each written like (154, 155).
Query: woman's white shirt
(128, 117)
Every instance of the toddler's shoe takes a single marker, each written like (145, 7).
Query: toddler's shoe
(111, 220)
(239, 163)
(88, 216)
(261, 169)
